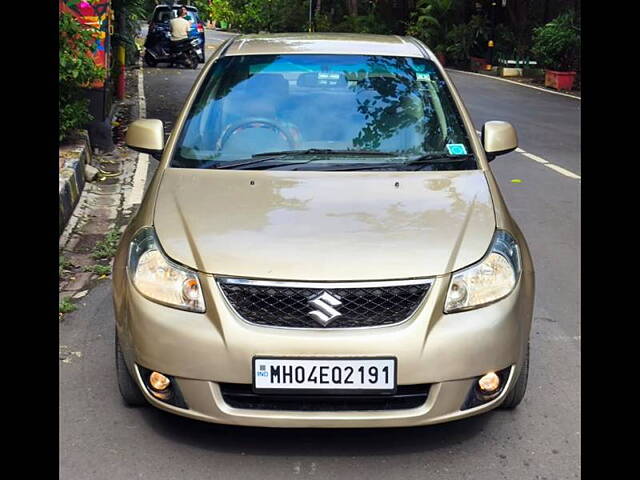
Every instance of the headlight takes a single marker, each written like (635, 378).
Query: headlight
(158, 278)
(493, 278)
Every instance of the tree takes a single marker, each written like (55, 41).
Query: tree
(431, 22)
(519, 16)
(352, 7)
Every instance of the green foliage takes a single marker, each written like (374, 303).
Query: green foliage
(250, 16)
(322, 23)
(66, 305)
(63, 265)
(255, 16)
(369, 23)
(463, 38)
(77, 69)
(423, 23)
(444, 25)
(289, 16)
(107, 247)
(507, 45)
(129, 14)
(556, 45)
(431, 23)
(274, 16)
(220, 10)
(99, 269)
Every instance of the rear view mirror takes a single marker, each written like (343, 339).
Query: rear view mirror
(147, 136)
(498, 138)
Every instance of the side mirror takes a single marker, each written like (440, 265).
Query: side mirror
(146, 136)
(498, 138)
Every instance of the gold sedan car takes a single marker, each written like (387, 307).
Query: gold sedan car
(323, 245)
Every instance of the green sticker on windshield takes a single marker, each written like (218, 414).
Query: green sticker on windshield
(456, 149)
(423, 77)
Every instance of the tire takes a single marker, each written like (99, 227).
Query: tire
(129, 389)
(149, 60)
(516, 394)
(193, 60)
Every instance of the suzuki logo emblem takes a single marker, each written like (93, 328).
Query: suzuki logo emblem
(325, 313)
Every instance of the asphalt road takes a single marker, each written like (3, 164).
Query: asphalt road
(102, 439)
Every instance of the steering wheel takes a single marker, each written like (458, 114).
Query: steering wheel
(256, 122)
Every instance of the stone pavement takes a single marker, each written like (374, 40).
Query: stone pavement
(90, 237)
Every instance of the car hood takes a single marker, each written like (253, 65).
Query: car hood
(324, 226)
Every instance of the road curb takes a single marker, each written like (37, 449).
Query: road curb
(71, 178)
(514, 83)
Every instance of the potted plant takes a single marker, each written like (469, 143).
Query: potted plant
(556, 46)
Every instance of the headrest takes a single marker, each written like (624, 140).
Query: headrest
(273, 83)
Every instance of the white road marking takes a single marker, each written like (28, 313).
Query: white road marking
(142, 166)
(516, 83)
(534, 157)
(139, 180)
(546, 163)
(563, 171)
(142, 102)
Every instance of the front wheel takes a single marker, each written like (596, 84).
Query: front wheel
(149, 60)
(129, 389)
(193, 60)
(516, 394)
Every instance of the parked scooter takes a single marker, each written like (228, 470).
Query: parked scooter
(160, 49)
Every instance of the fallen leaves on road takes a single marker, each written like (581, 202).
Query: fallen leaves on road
(66, 355)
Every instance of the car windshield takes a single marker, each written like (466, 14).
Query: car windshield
(191, 15)
(164, 14)
(342, 109)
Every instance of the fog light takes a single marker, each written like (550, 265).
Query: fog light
(489, 383)
(158, 381)
(162, 387)
(487, 388)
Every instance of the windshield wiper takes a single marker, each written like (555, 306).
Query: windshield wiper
(438, 158)
(429, 159)
(323, 151)
(257, 160)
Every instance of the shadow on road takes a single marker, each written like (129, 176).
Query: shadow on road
(311, 442)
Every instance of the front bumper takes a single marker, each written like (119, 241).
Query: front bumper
(206, 403)
(445, 351)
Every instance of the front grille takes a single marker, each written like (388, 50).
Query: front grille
(241, 396)
(280, 304)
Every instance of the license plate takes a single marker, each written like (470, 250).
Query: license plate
(324, 375)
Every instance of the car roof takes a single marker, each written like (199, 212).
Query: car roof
(166, 5)
(324, 43)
